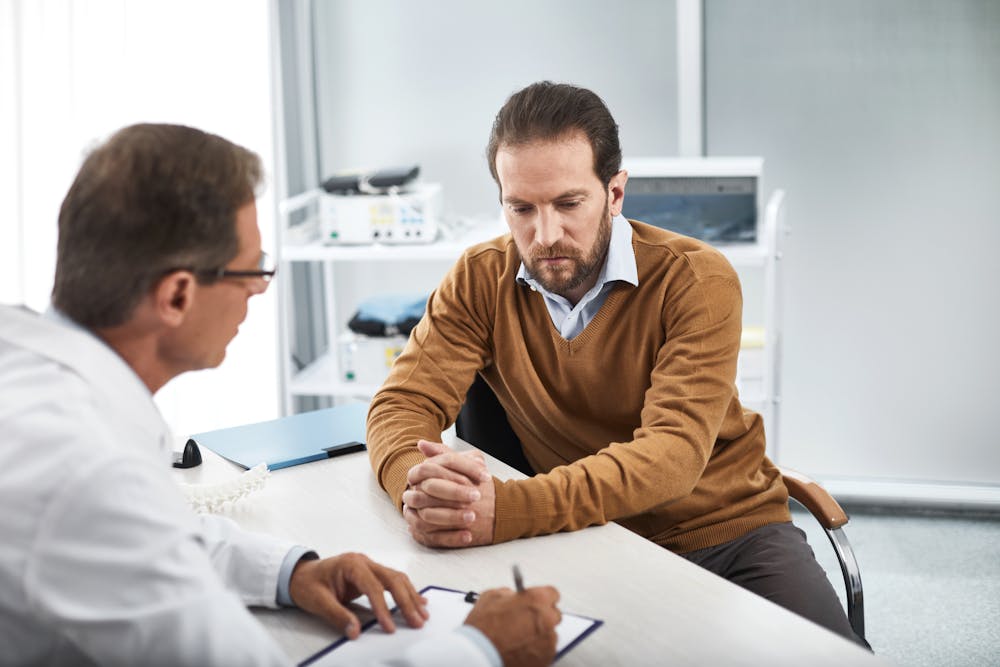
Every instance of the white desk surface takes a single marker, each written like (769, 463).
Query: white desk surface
(657, 608)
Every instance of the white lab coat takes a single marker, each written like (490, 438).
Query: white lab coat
(101, 560)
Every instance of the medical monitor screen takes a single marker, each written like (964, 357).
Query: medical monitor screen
(714, 209)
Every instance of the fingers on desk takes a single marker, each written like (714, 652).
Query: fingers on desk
(410, 602)
(431, 535)
(372, 580)
(323, 587)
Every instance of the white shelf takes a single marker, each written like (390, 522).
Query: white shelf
(376, 252)
(743, 255)
(304, 245)
(753, 400)
(321, 378)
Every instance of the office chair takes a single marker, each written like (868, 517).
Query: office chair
(483, 422)
(832, 518)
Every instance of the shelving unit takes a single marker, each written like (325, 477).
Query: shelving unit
(759, 371)
(300, 244)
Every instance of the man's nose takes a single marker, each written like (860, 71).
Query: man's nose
(258, 286)
(548, 229)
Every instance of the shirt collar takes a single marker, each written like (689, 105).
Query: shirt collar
(618, 265)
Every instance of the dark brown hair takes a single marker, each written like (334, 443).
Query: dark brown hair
(151, 199)
(546, 111)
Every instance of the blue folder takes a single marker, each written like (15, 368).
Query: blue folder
(289, 441)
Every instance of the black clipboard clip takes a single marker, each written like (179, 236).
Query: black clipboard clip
(346, 448)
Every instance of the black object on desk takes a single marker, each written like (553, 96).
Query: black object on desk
(190, 457)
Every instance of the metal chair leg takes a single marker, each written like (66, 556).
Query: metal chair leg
(852, 580)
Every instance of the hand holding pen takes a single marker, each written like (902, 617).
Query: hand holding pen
(522, 624)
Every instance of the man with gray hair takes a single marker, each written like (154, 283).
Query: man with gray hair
(101, 561)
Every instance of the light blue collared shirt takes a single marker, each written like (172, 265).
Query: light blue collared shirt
(570, 320)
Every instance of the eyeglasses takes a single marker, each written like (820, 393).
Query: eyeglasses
(266, 269)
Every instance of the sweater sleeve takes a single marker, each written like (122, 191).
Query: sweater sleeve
(429, 380)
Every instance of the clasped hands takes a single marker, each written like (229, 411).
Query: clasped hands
(450, 500)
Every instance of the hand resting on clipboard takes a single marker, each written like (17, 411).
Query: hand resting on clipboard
(449, 609)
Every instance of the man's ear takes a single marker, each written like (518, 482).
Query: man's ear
(173, 297)
(616, 192)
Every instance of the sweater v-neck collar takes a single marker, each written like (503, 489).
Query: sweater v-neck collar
(601, 320)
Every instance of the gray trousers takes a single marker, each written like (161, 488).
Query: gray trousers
(777, 563)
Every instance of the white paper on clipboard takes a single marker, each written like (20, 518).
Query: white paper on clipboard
(448, 609)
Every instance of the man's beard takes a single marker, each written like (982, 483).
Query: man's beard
(583, 267)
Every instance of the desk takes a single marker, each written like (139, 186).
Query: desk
(657, 608)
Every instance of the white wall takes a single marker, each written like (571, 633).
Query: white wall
(11, 280)
(882, 120)
(78, 70)
(420, 82)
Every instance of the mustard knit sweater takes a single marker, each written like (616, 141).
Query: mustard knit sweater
(635, 420)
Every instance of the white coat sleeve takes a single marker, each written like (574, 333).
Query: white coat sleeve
(120, 565)
(248, 562)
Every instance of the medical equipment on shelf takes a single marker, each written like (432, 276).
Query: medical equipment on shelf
(210, 498)
(714, 199)
(367, 359)
(372, 182)
(388, 314)
(398, 217)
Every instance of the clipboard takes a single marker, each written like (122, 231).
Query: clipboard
(289, 441)
(448, 609)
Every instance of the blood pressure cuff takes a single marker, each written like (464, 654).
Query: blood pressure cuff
(388, 315)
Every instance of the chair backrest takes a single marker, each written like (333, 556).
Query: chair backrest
(482, 422)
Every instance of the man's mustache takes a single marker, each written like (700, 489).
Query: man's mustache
(553, 252)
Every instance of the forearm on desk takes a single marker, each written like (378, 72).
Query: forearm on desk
(397, 420)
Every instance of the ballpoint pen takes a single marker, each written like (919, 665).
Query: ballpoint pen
(518, 580)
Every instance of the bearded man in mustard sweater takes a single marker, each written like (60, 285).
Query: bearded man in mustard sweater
(611, 346)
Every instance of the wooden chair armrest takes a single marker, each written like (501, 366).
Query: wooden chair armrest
(815, 498)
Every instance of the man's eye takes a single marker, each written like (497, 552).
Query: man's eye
(520, 210)
(569, 204)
